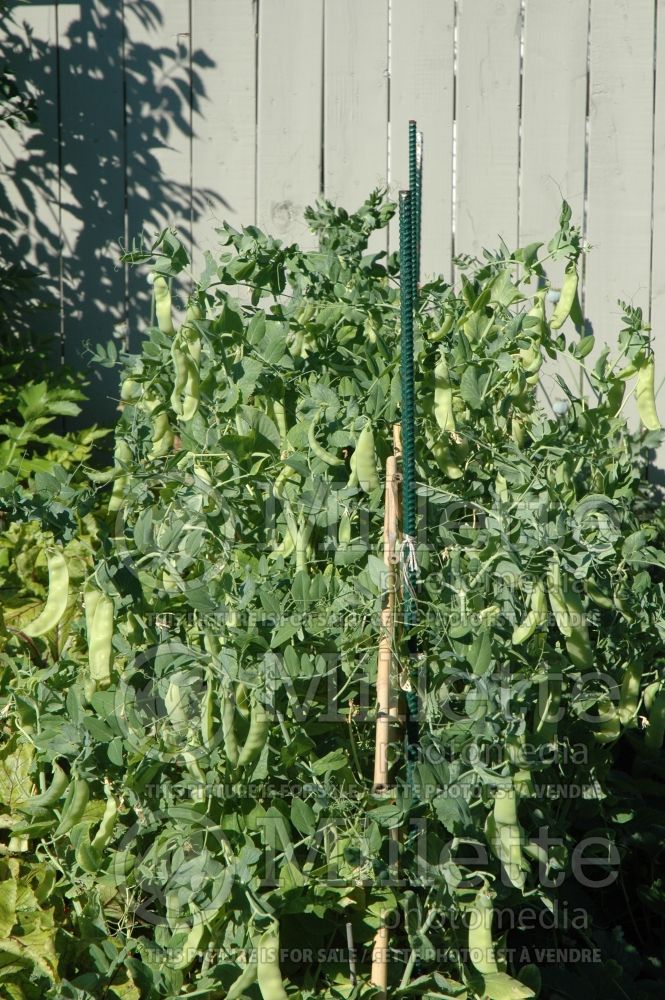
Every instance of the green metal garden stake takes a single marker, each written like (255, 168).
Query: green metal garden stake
(409, 567)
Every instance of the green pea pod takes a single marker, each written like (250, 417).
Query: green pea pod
(106, 825)
(444, 458)
(645, 396)
(481, 946)
(303, 549)
(259, 727)
(179, 358)
(279, 416)
(443, 397)
(58, 595)
(269, 975)
(523, 781)
(630, 692)
(567, 297)
(531, 359)
(285, 549)
(130, 391)
(506, 842)
(162, 304)
(229, 730)
(443, 330)
(596, 594)
(190, 333)
(536, 851)
(546, 719)
(365, 460)
(99, 625)
(570, 618)
(505, 806)
(208, 715)
(242, 700)
(505, 835)
(38, 803)
(196, 773)
(122, 456)
(162, 436)
(190, 402)
(632, 368)
(344, 529)
(326, 456)
(537, 615)
(517, 431)
(175, 702)
(288, 472)
(246, 979)
(74, 807)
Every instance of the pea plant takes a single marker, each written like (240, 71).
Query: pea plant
(191, 725)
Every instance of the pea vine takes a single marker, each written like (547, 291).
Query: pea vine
(195, 811)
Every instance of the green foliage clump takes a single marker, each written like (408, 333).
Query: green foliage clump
(196, 745)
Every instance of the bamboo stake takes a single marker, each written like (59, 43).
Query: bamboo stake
(387, 709)
(386, 704)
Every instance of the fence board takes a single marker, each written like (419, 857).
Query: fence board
(421, 87)
(553, 114)
(488, 85)
(355, 132)
(224, 115)
(328, 114)
(553, 142)
(620, 158)
(92, 186)
(29, 173)
(289, 115)
(158, 130)
(657, 303)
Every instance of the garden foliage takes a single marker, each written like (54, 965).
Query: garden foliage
(188, 754)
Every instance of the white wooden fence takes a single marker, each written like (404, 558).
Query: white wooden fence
(191, 111)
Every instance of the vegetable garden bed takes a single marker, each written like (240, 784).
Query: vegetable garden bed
(190, 789)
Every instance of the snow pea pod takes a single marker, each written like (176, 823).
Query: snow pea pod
(269, 975)
(74, 807)
(246, 979)
(259, 727)
(536, 615)
(326, 456)
(645, 396)
(99, 626)
(58, 595)
(567, 297)
(363, 461)
(443, 396)
(38, 803)
(162, 295)
(481, 947)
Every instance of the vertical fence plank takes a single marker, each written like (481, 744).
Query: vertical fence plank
(29, 167)
(657, 313)
(158, 131)
(553, 114)
(421, 87)
(289, 115)
(620, 161)
(355, 100)
(224, 116)
(92, 186)
(553, 142)
(488, 83)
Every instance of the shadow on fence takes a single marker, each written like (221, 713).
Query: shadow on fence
(115, 96)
